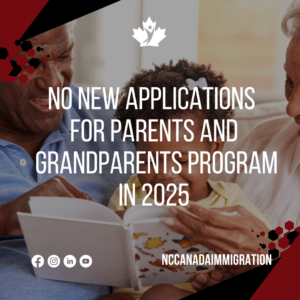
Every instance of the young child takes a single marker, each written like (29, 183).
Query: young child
(201, 190)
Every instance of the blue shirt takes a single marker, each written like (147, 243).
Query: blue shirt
(18, 175)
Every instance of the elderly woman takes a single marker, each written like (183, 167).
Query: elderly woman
(277, 195)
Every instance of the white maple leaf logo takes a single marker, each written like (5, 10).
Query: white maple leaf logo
(149, 36)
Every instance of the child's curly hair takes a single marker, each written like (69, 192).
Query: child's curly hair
(168, 77)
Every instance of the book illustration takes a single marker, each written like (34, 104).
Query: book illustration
(200, 268)
(136, 257)
(144, 270)
(158, 242)
(153, 243)
(185, 242)
(192, 250)
(172, 251)
(142, 276)
(158, 263)
(144, 252)
(135, 236)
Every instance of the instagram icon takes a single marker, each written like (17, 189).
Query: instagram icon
(53, 261)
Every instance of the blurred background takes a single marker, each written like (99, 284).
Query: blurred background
(241, 38)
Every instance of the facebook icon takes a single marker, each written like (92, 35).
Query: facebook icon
(37, 261)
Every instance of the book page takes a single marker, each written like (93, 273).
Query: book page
(103, 242)
(140, 212)
(72, 208)
(150, 240)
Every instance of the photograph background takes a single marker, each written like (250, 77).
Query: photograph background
(241, 38)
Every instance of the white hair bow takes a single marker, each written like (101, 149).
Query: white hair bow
(201, 83)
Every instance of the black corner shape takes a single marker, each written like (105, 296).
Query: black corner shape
(57, 12)
(16, 69)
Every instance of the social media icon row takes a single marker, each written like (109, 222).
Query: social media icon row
(54, 261)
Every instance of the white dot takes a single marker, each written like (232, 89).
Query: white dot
(23, 162)
(85, 261)
(69, 261)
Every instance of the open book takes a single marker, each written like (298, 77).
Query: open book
(125, 253)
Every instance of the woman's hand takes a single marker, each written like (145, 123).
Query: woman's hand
(223, 234)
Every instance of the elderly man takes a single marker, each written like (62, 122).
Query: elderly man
(27, 126)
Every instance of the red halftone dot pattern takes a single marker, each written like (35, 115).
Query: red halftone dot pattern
(289, 225)
(23, 78)
(252, 230)
(55, 58)
(45, 60)
(279, 230)
(272, 246)
(262, 233)
(15, 20)
(283, 243)
(31, 52)
(21, 60)
(258, 249)
(42, 44)
(30, 70)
